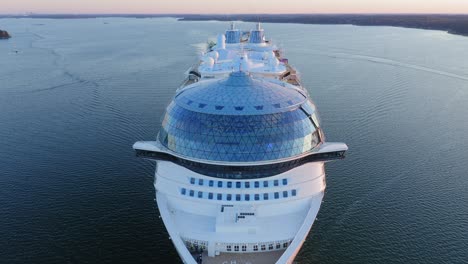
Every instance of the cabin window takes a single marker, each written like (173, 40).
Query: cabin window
(210, 196)
(219, 196)
(183, 191)
(211, 183)
(200, 181)
(257, 184)
(294, 192)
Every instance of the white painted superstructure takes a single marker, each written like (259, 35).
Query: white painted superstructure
(240, 158)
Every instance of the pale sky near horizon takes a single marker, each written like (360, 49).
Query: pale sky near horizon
(232, 6)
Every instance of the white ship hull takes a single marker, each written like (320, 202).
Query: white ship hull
(284, 221)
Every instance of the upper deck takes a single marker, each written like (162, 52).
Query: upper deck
(247, 51)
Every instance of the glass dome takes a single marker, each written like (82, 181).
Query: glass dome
(282, 128)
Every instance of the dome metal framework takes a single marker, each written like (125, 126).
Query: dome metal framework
(240, 132)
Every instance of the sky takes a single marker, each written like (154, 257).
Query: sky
(232, 6)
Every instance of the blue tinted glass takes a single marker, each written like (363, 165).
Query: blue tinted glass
(220, 184)
(200, 194)
(192, 193)
(276, 195)
(257, 197)
(210, 183)
(183, 191)
(257, 184)
(238, 197)
(192, 180)
(200, 181)
(275, 182)
(265, 196)
(247, 184)
(210, 196)
(285, 194)
(247, 197)
(229, 197)
(238, 184)
(285, 181)
(237, 138)
(265, 183)
(293, 192)
(229, 184)
(219, 196)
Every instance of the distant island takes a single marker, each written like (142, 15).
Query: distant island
(454, 24)
(4, 35)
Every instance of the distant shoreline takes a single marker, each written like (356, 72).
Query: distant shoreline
(453, 24)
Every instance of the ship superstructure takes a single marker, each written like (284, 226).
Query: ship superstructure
(240, 156)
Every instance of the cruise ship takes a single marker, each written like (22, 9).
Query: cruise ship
(240, 157)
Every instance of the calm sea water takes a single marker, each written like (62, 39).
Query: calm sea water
(80, 92)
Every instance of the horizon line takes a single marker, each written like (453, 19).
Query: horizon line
(223, 14)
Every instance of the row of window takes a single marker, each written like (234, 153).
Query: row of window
(238, 197)
(238, 184)
(263, 247)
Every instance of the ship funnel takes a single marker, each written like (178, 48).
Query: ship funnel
(221, 42)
